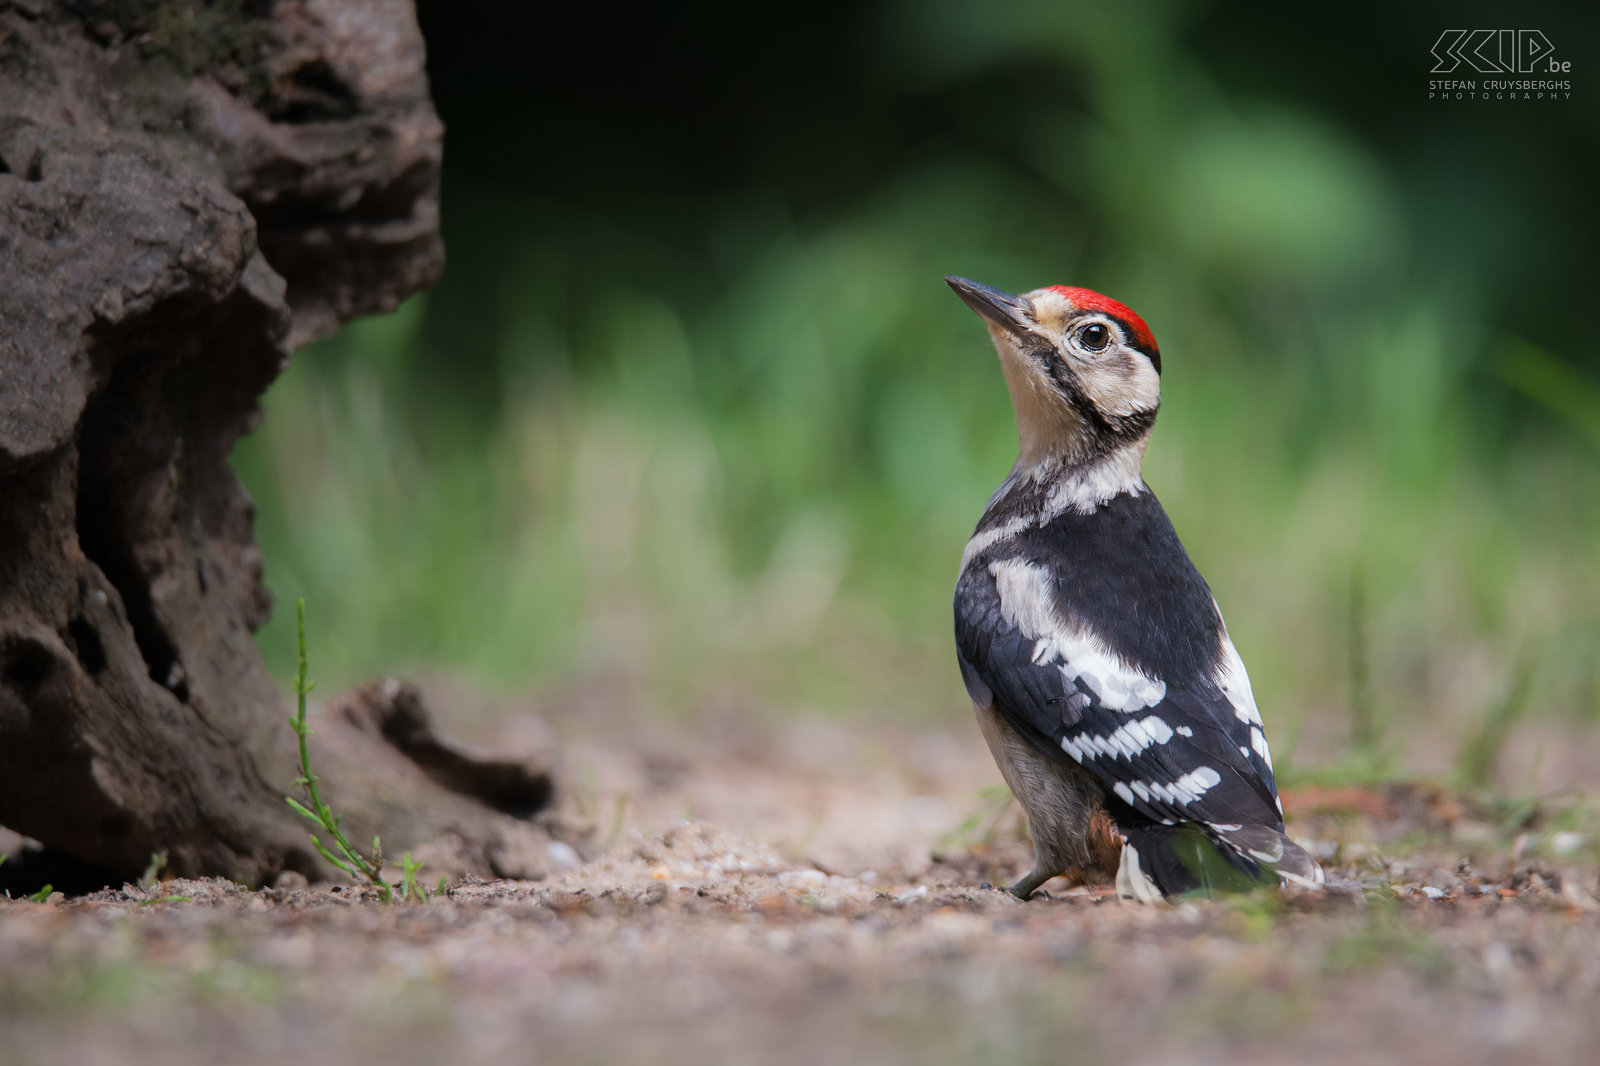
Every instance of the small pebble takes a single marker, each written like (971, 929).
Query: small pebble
(1565, 842)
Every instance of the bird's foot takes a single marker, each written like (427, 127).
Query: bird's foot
(1026, 887)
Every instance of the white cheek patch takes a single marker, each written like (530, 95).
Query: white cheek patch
(1122, 387)
(1028, 602)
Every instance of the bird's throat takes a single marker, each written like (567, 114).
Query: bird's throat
(1046, 427)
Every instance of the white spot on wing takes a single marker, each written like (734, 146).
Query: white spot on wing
(1234, 682)
(1182, 792)
(1258, 741)
(1127, 740)
(1196, 783)
(1185, 790)
(1028, 602)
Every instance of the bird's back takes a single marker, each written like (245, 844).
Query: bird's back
(1120, 570)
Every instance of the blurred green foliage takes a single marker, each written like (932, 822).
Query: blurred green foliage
(722, 441)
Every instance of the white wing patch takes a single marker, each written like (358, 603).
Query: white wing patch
(1126, 740)
(1028, 602)
(1235, 685)
(986, 537)
(1258, 741)
(1185, 790)
(1234, 682)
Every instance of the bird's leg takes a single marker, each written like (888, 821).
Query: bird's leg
(1029, 884)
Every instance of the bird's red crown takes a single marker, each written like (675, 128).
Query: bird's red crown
(1094, 301)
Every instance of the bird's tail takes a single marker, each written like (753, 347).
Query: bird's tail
(1172, 860)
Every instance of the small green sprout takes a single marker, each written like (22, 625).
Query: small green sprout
(410, 889)
(344, 854)
(152, 870)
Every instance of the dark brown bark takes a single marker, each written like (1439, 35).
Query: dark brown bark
(189, 192)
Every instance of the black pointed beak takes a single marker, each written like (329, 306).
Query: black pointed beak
(1011, 313)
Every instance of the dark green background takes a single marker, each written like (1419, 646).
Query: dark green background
(692, 419)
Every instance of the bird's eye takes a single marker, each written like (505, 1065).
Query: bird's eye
(1094, 336)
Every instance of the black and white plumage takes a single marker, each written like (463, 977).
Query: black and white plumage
(1103, 676)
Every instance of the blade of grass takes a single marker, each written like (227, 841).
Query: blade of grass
(1481, 753)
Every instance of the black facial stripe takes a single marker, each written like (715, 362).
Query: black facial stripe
(1072, 389)
(1127, 427)
(1106, 431)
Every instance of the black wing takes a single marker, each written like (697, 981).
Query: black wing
(1171, 751)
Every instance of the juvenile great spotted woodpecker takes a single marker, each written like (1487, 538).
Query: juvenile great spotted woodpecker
(1104, 680)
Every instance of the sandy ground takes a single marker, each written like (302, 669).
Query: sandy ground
(812, 893)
